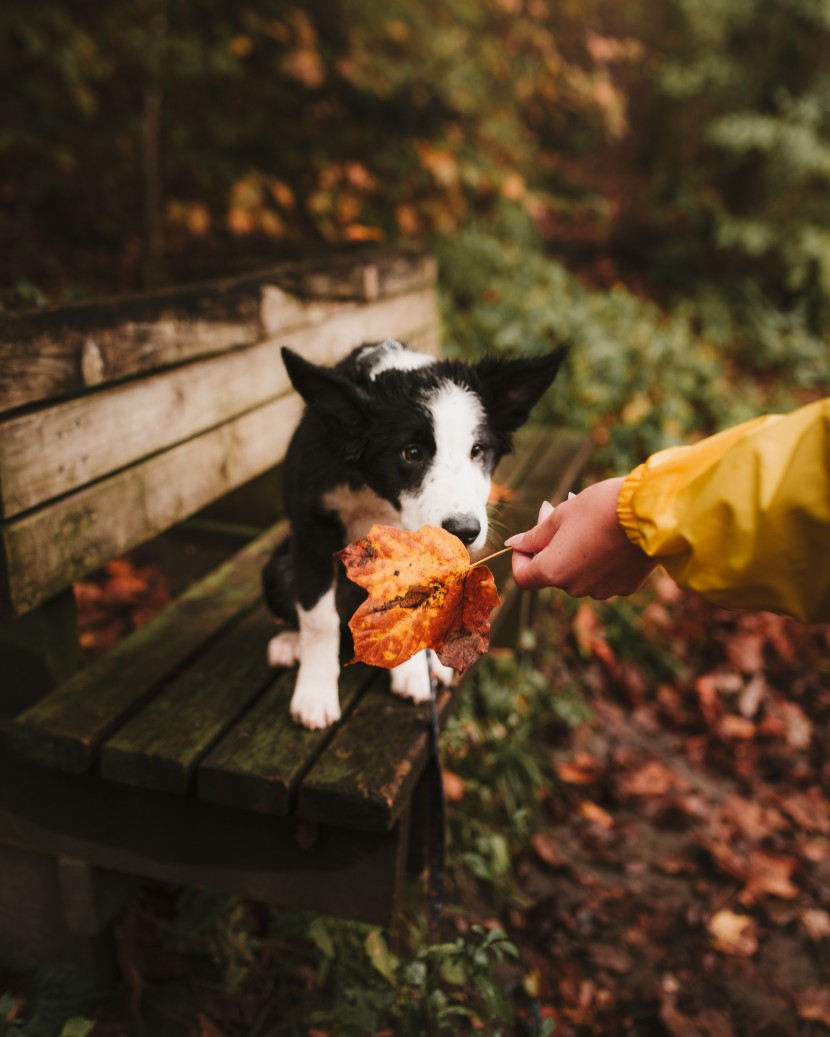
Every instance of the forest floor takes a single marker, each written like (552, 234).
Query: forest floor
(681, 885)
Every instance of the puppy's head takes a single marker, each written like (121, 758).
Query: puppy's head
(426, 435)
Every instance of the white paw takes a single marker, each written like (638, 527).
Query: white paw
(316, 706)
(444, 674)
(284, 649)
(410, 680)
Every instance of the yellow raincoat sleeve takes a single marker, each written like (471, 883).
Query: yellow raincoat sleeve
(743, 517)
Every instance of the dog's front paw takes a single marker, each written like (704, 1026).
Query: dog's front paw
(410, 680)
(284, 649)
(315, 706)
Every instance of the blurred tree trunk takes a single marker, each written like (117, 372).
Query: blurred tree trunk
(151, 149)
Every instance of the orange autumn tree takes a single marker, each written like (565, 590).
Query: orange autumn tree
(423, 593)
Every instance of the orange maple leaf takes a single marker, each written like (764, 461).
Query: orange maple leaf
(423, 593)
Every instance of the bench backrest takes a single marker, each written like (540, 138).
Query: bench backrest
(120, 419)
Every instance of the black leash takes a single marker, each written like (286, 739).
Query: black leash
(437, 845)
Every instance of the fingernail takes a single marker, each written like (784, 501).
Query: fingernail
(544, 510)
(513, 540)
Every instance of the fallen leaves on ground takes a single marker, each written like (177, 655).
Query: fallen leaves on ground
(680, 882)
(733, 933)
(423, 593)
(115, 601)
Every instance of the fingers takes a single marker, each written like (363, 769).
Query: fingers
(526, 571)
(580, 548)
(526, 568)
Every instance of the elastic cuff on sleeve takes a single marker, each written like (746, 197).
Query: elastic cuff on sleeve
(625, 507)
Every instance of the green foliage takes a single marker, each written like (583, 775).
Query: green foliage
(359, 983)
(622, 623)
(738, 161)
(222, 928)
(498, 744)
(432, 991)
(644, 378)
(22, 296)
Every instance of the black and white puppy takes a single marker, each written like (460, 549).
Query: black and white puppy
(389, 436)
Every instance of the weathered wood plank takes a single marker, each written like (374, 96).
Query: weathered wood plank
(548, 465)
(160, 746)
(259, 763)
(63, 350)
(364, 275)
(406, 317)
(46, 550)
(65, 729)
(50, 452)
(365, 777)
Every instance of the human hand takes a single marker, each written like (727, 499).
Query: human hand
(581, 547)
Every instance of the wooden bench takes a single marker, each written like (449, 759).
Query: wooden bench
(173, 757)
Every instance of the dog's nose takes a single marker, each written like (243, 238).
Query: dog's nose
(465, 527)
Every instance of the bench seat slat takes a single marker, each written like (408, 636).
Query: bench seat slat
(160, 746)
(555, 470)
(529, 444)
(366, 775)
(260, 761)
(66, 728)
(548, 467)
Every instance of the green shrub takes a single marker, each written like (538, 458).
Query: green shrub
(639, 377)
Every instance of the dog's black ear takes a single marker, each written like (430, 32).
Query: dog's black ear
(325, 392)
(510, 388)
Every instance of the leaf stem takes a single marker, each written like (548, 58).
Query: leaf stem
(495, 554)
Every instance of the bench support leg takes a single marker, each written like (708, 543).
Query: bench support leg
(57, 911)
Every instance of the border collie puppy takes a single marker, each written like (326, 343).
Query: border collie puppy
(394, 437)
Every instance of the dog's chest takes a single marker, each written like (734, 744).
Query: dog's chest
(359, 510)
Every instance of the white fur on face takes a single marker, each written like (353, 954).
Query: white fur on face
(455, 484)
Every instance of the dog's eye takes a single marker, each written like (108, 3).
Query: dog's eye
(477, 451)
(412, 454)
